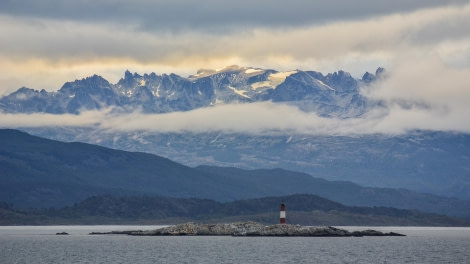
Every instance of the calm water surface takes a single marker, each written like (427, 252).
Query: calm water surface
(39, 244)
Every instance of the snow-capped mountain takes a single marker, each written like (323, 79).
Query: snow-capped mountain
(334, 94)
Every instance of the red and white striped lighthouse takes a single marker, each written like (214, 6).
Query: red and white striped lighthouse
(283, 213)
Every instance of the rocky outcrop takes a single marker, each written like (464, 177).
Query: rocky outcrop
(252, 229)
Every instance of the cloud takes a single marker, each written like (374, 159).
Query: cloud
(254, 118)
(427, 80)
(9, 85)
(423, 93)
(212, 15)
(85, 119)
(72, 40)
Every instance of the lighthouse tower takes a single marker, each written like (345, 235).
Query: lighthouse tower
(283, 213)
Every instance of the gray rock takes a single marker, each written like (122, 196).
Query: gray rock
(255, 229)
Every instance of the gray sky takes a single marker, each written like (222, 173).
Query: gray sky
(424, 44)
(206, 15)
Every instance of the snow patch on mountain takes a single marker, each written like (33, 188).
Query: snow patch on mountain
(239, 92)
(280, 77)
(324, 85)
(258, 85)
(233, 68)
(230, 68)
(252, 70)
(218, 102)
(202, 73)
(274, 79)
(22, 97)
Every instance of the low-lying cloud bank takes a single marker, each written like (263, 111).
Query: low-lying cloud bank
(254, 118)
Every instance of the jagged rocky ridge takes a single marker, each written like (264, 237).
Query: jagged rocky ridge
(334, 94)
(250, 229)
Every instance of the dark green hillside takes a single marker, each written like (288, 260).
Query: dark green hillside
(37, 172)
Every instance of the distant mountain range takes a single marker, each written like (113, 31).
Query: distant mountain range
(422, 161)
(335, 94)
(42, 173)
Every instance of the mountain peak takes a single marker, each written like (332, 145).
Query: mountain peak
(230, 68)
(369, 77)
(170, 93)
(207, 72)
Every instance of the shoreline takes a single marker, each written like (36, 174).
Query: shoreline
(249, 229)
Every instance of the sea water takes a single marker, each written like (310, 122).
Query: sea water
(40, 244)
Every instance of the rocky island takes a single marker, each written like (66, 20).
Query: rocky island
(250, 229)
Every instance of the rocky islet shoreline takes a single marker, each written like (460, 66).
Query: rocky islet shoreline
(250, 229)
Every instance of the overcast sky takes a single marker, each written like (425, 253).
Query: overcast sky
(424, 44)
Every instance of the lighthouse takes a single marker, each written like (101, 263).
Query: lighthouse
(283, 213)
